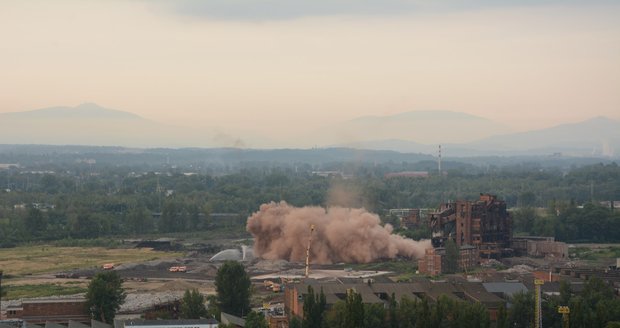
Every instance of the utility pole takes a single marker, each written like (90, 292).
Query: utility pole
(538, 310)
(439, 161)
(565, 311)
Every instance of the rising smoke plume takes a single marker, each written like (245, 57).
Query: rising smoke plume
(341, 234)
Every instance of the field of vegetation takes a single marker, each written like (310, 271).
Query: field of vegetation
(39, 259)
(44, 290)
(595, 253)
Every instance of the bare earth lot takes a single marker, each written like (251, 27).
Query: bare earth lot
(44, 259)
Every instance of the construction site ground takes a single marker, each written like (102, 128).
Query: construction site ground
(148, 282)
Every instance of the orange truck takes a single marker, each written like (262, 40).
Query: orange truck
(178, 269)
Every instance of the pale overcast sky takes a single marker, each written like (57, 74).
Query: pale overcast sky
(293, 65)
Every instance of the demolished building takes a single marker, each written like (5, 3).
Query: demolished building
(484, 224)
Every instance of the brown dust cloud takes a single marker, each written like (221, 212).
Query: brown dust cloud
(350, 235)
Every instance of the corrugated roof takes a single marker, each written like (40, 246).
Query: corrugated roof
(478, 293)
(507, 288)
(2, 325)
(137, 323)
(336, 292)
(99, 324)
(381, 292)
(31, 325)
(53, 300)
(53, 325)
(399, 290)
(229, 318)
(75, 324)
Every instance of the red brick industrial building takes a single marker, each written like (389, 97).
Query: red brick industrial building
(484, 224)
(40, 311)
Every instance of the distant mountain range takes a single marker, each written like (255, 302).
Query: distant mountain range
(599, 137)
(409, 132)
(596, 136)
(83, 111)
(91, 124)
(423, 127)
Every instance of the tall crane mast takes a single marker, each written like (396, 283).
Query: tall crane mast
(538, 307)
(565, 311)
(308, 251)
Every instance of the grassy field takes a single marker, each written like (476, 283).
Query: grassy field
(42, 290)
(46, 259)
(597, 253)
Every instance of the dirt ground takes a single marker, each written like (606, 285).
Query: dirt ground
(29, 260)
(148, 280)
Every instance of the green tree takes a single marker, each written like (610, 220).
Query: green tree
(314, 308)
(170, 218)
(335, 316)
(565, 292)
(524, 219)
(193, 213)
(527, 199)
(213, 310)
(35, 222)
(502, 318)
(521, 313)
(139, 220)
(255, 320)
(407, 313)
(476, 316)
(232, 284)
(451, 263)
(87, 225)
(441, 310)
(354, 310)
(375, 316)
(423, 314)
(105, 295)
(2, 289)
(393, 312)
(295, 323)
(193, 305)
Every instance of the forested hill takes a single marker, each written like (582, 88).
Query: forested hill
(26, 154)
(209, 159)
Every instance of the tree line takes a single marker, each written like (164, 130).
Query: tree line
(596, 306)
(569, 222)
(117, 202)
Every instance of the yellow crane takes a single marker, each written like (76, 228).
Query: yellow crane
(538, 309)
(308, 251)
(565, 311)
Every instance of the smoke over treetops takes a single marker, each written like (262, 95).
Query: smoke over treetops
(341, 234)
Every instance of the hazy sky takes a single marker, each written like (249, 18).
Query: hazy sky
(290, 65)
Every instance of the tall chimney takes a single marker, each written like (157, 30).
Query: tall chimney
(439, 161)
